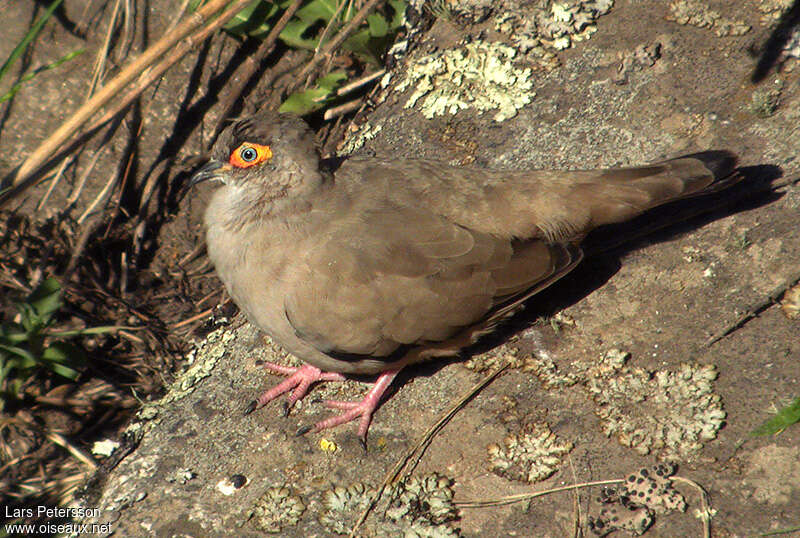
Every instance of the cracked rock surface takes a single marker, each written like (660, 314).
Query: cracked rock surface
(202, 468)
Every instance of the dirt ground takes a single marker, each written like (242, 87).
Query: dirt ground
(611, 367)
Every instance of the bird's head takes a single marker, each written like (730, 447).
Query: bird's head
(265, 158)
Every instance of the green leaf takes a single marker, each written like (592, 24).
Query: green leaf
(18, 358)
(399, 7)
(28, 76)
(292, 35)
(101, 329)
(28, 38)
(252, 20)
(365, 47)
(783, 419)
(46, 299)
(302, 103)
(378, 27)
(61, 357)
(318, 11)
(13, 333)
(30, 320)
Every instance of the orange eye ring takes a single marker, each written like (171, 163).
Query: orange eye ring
(249, 154)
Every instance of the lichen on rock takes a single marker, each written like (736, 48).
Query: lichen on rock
(429, 498)
(277, 509)
(415, 507)
(632, 505)
(478, 75)
(697, 13)
(343, 506)
(537, 27)
(530, 456)
(670, 413)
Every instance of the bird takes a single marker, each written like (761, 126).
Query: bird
(365, 265)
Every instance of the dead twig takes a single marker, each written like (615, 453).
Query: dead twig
(76, 452)
(363, 81)
(187, 321)
(330, 24)
(334, 43)
(97, 76)
(704, 513)
(404, 466)
(754, 310)
(520, 497)
(252, 64)
(341, 110)
(105, 192)
(25, 173)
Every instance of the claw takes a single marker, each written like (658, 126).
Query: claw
(303, 430)
(298, 383)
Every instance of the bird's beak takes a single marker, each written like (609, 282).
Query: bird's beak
(213, 169)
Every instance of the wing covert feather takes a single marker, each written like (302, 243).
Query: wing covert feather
(407, 276)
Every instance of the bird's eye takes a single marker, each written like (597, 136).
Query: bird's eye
(249, 154)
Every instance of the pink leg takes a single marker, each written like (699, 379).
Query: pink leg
(363, 409)
(300, 379)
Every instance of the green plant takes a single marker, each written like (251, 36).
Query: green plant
(23, 45)
(305, 30)
(783, 419)
(368, 44)
(30, 74)
(31, 343)
(307, 101)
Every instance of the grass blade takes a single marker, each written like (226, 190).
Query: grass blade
(29, 37)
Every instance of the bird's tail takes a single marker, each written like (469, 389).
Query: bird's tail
(619, 194)
(635, 190)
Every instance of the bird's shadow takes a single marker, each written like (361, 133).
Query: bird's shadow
(606, 246)
(772, 49)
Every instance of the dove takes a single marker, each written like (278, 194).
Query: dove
(366, 265)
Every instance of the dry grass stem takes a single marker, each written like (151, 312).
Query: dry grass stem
(168, 43)
(754, 310)
(334, 43)
(252, 64)
(341, 110)
(511, 499)
(366, 79)
(403, 466)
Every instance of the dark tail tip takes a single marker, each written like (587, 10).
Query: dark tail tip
(722, 163)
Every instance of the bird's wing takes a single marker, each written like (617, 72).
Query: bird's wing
(393, 275)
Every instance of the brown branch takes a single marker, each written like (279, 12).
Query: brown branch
(754, 310)
(334, 43)
(252, 65)
(405, 466)
(363, 81)
(341, 110)
(42, 154)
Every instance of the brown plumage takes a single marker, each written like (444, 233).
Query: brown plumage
(383, 263)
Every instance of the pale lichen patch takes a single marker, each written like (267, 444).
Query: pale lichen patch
(530, 456)
(670, 413)
(632, 505)
(277, 509)
(478, 75)
(697, 13)
(414, 507)
(536, 28)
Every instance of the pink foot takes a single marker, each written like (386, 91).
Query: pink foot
(352, 410)
(300, 379)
